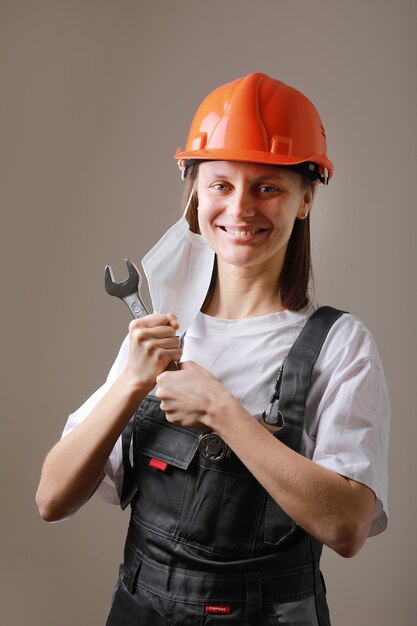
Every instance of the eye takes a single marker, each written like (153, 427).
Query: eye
(268, 189)
(219, 186)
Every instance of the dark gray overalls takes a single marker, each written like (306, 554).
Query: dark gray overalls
(206, 543)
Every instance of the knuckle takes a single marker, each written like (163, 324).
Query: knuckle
(160, 356)
(149, 348)
(137, 338)
(136, 323)
(141, 335)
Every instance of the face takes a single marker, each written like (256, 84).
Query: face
(246, 211)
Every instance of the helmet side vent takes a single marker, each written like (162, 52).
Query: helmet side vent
(281, 145)
(199, 142)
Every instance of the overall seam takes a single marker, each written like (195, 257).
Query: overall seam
(218, 514)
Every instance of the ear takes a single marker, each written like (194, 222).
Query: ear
(306, 202)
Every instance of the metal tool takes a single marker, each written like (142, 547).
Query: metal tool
(128, 290)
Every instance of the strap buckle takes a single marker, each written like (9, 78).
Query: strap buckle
(212, 447)
(274, 419)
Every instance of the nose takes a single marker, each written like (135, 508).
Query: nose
(241, 204)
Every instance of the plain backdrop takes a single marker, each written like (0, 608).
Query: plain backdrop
(96, 96)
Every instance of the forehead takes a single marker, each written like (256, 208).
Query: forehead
(237, 169)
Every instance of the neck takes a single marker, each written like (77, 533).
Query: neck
(244, 292)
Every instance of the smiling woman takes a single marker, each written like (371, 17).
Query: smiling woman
(246, 214)
(270, 439)
(256, 188)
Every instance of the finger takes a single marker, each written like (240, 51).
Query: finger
(161, 355)
(158, 333)
(185, 365)
(165, 406)
(162, 395)
(163, 379)
(167, 343)
(154, 319)
(169, 405)
(190, 365)
(173, 320)
(171, 354)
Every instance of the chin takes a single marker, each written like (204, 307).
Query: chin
(239, 260)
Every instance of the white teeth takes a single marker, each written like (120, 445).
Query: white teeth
(240, 233)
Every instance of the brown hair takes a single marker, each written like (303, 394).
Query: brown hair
(296, 273)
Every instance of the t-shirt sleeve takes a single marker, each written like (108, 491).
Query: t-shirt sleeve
(349, 411)
(111, 486)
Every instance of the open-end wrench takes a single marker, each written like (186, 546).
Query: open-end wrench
(129, 292)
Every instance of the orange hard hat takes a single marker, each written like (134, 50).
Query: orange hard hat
(258, 119)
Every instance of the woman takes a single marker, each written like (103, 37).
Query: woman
(234, 490)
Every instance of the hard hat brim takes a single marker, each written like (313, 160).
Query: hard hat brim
(251, 156)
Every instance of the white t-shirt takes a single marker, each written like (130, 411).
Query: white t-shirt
(347, 412)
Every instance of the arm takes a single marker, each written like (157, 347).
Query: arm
(336, 510)
(74, 467)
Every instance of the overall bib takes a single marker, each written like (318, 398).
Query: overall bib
(206, 544)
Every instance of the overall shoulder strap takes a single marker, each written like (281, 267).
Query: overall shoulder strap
(296, 374)
(129, 484)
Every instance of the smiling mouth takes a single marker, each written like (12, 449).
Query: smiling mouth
(240, 232)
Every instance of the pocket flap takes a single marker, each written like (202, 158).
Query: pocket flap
(166, 442)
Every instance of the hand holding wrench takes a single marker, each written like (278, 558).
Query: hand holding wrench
(210, 445)
(129, 292)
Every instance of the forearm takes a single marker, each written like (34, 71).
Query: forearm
(336, 510)
(74, 467)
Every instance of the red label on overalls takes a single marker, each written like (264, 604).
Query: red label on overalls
(225, 610)
(157, 464)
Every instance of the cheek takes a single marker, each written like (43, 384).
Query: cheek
(287, 215)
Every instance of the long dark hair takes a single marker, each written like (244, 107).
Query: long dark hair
(293, 285)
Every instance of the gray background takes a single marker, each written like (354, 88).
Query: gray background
(96, 95)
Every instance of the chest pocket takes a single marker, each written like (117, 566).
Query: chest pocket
(162, 456)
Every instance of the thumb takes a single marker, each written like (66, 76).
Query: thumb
(186, 365)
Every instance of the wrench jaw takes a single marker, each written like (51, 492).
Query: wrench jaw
(109, 281)
(126, 288)
(134, 275)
